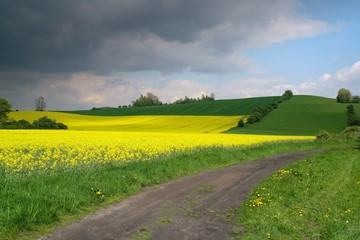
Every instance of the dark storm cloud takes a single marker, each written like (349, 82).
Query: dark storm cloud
(79, 53)
(127, 35)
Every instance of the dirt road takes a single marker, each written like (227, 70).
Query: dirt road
(192, 207)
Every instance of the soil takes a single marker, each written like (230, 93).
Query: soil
(192, 207)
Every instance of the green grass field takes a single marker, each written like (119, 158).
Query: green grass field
(231, 107)
(301, 115)
(315, 198)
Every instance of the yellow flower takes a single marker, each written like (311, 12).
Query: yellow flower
(42, 150)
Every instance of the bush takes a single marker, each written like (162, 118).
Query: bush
(41, 123)
(352, 129)
(355, 99)
(261, 111)
(287, 94)
(353, 119)
(349, 134)
(47, 123)
(22, 124)
(344, 96)
(323, 135)
(241, 123)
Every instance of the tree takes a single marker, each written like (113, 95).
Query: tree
(148, 100)
(47, 123)
(344, 96)
(353, 119)
(287, 94)
(241, 123)
(5, 108)
(40, 104)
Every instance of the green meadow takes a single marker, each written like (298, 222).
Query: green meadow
(315, 198)
(301, 115)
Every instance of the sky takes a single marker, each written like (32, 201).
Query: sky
(80, 54)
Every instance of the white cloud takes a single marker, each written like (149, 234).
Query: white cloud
(351, 73)
(329, 84)
(325, 77)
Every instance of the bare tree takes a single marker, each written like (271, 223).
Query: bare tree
(40, 104)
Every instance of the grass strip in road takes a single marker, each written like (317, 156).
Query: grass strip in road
(34, 204)
(315, 198)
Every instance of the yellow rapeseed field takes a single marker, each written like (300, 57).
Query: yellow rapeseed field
(47, 149)
(100, 140)
(199, 124)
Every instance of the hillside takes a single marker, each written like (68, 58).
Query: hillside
(179, 124)
(301, 115)
(233, 107)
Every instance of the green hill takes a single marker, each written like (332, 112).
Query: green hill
(232, 107)
(301, 115)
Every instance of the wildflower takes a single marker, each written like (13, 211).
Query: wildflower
(300, 213)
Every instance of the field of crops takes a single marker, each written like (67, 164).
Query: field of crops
(116, 139)
(193, 124)
(41, 150)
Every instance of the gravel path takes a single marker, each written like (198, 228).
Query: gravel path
(191, 207)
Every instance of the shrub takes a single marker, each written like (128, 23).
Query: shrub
(323, 135)
(349, 134)
(355, 99)
(344, 96)
(47, 123)
(41, 123)
(23, 124)
(287, 94)
(261, 111)
(352, 129)
(241, 123)
(353, 119)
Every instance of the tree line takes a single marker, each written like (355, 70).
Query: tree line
(151, 99)
(261, 111)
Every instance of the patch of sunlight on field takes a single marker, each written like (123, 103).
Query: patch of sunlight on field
(193, 124)
(48, 149)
